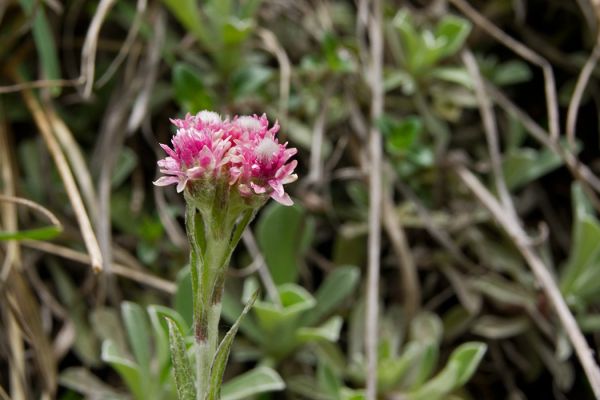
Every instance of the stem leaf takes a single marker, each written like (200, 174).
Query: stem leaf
(182, 370)
(220, 361)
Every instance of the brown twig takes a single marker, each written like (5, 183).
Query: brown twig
(10, 222)
(272, 45)
(526, 53)
(581, 172)
(142, 277)
(127, 44)
(41, 84)
(88, 52)
(74, 156)
(263, 270)
(67, 177)
(582, 81)
(491, 131)
(411, 287)
(374, 78)
(515, 231)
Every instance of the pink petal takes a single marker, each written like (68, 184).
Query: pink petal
(257, 188)
(286, 170)
(181, 185)
(166, 180)
(282, 199)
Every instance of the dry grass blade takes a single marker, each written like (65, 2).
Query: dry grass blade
(375, 80)
(272, 45)
(582, 81)
(514, 230)
(3, 394)
(142, 277)
(491, 131)
(67, 177)
(127, 44)
(315, 176)
(88, 52)
(75, 157)
(9, 218)
(411, 287)
(24, 307)
(526, 53)
(263, 271)
(41, 84)
(580, 172)
(32, 204)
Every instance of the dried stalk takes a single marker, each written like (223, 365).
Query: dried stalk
(517, 234)
(67, 177)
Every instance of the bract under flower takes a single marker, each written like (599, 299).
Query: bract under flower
(243, 153)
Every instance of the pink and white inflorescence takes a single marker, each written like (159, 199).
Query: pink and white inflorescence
(243, 152)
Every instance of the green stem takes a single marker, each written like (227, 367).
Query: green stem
(210, 288)
(213, 237)
(205, 351)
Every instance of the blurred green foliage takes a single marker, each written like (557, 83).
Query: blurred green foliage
(484, 329)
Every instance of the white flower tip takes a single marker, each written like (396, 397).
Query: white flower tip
(248, 123)
(209, 117)
(267, 148)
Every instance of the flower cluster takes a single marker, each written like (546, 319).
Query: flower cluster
(243, 152)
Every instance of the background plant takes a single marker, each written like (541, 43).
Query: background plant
(86, 90)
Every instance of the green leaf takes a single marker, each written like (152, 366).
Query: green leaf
(580, 275)
(458, 75)
(525, 165)
(183, 299)
(249, 79)
(284, 234)
(126, 163)
(400, 135)
(493, 327)
(44, 42)
(161, 335)
(424, 365)
(231, 309)
(83, 381)
(86, 346)
(235, 31)
(391, 371)
(412, 42)
(328, 380)
(138, 333)
(182, 370)
(190, 91)
(44, 233)
(219, 363)
(249, 8)
(337, 59)
(329, 331)
(295, 300)
(426, 327)
(127, 369)
(187, 13)
(251, 383)
(454, 30)
(460, 367)
(511, 72)
(308, 388)
(336, 288)
(107, 326)
(503, 291)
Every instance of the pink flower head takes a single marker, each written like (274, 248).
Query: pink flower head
(243, 152)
